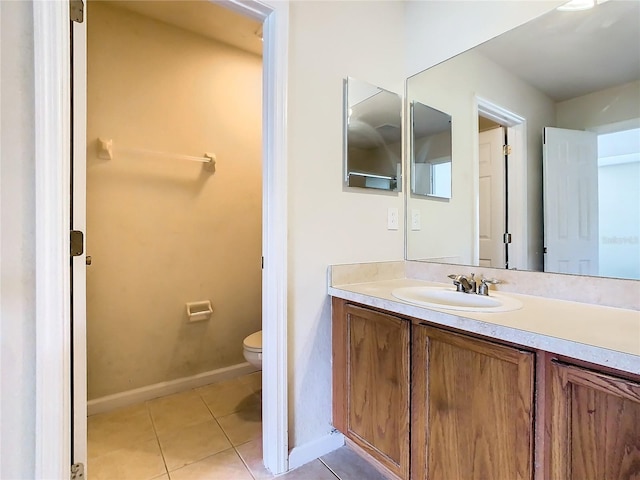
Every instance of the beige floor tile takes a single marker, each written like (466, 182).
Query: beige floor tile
(348, 465)
(243, 426)
(253, 381)
(221, 466)
(111, 431)
(140, 462)
(192, 443)
(311, 471)
(178, 411)
(228, 397)
(251, 454)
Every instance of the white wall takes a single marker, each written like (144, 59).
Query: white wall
(17, 242)
(436, 30)
(163, 232)
(328, 223)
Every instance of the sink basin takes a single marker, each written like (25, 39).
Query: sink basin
(449, 299)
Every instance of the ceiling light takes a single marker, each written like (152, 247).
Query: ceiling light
(576, 5)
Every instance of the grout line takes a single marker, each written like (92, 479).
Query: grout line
(155, 431)
(234, 447)
(246, 465)
(329, 468)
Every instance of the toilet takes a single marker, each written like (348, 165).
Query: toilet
(252, 349)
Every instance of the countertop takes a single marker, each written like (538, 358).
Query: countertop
(601, 335)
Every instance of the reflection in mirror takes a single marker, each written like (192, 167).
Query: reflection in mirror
(430, 151)
(575, 72)
(373, 136)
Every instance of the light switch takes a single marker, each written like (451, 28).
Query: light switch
(416, 223)
(392, 218)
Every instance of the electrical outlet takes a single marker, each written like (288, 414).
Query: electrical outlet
(392, 218)
(416, 223)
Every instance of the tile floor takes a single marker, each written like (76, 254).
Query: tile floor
(213, 432)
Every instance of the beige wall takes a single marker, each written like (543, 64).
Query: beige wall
(163, 232)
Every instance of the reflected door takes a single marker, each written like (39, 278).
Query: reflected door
(492, 215)
(570, 171)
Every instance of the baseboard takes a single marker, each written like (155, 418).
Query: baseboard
(298, 456)
(137, 395)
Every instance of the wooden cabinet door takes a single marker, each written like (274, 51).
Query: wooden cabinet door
(472, 408)
(371, 383)
(594, 425)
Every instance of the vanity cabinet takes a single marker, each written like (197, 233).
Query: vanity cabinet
(594, 425)
(371, 383)
(471, 408)
(477, 409)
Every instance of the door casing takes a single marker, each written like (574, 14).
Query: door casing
(53, 146)
(517, 180)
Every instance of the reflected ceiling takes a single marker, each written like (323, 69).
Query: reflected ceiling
(573, 43)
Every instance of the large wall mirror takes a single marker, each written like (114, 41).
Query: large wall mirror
(372, 136)
(545, 148)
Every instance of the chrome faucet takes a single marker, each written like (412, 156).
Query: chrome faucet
(463, 283)
(469, 285)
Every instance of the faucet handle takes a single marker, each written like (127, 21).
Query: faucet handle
(483, 289)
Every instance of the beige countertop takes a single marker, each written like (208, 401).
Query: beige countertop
(601, 335)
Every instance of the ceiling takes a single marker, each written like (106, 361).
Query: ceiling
(582, 48)
(202, 17)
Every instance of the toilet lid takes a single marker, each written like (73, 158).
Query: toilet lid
(254, 342)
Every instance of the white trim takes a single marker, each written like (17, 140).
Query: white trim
(1, 302)
(137, 395)
(315, 449)
(275, 416)
(53, 288)
(79, 222)
(517, 179)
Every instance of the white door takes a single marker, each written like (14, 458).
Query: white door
(78, 219)
(492, 189)
(570, 173)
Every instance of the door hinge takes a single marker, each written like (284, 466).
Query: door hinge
(77, 471)
(76, 11)
(77, 243)
(506, 149)
(506, 238)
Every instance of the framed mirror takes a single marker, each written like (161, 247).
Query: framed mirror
(430, 151)
(372, 136)
(514, 204)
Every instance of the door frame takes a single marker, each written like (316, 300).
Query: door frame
(52, 140)
(516, 180)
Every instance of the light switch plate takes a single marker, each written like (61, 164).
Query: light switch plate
(392, 218)
(416, 223)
